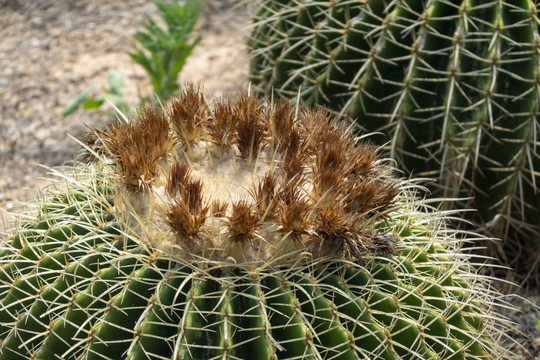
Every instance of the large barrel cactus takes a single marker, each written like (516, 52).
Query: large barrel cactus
(452, 85)
(239, 230)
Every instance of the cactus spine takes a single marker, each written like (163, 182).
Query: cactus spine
(452, 84)
(239, 229)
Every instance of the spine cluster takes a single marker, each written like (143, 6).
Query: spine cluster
(248, 179)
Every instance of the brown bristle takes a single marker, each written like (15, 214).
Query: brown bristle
(184, 222)
(219, 209)
(266, 197)
(178, 175)
(250, 127)
(249, 138)
(283, 120)
(371, 197)
(138, 147)
(243, 222)
(384, 199)
(292, 145)
(331, 220)
(328, 176)
(332, 138)
(294, 156)
(329, 142)
(313, 122)
(362, 158)
(329, 158)
(335, 234)
(190, 190)
(294, 214)
(361, 197)
(188, 114)
(328, 185)
(221, 127)
(191, 193)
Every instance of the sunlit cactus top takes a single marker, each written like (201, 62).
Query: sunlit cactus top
(246, 180)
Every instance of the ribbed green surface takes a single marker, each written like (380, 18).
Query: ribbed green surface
(452, 84)
(73, 285)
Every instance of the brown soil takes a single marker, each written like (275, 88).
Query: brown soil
(51, 50)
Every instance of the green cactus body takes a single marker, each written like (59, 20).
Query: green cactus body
(452, 85)
(133, 258)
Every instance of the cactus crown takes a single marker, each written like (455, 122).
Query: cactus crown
(249, 180)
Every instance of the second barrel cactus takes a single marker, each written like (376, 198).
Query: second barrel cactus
(239, 230)
(452, 85)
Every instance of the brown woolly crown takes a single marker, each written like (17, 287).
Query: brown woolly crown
(248, 180)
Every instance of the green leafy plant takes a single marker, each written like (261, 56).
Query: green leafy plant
(265, 232)
(162, 52)
(453, 86)
(114, 93)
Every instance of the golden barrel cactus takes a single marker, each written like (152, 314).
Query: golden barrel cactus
(239, 229)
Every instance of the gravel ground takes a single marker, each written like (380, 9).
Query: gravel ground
(51, 50)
